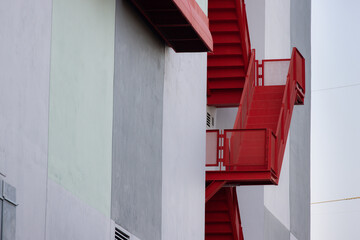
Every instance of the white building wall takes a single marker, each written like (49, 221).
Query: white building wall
(183, 152)
(277, 46)
(24, 97)
(277, 29)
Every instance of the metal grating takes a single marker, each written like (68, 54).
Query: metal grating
(120, 235)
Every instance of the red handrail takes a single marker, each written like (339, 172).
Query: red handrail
(244, 31)
(295, 86)
(247, 94)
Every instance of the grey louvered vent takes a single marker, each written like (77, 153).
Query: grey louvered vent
(208, 119)
(120, 235)
(210, 122)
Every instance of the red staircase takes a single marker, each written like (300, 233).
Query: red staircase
(252, 152)
(228, 62)
(222, 217)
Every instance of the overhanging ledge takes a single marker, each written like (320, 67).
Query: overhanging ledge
(181, 23)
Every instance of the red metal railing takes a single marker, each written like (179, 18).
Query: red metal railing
(247, 94)
(248, 149)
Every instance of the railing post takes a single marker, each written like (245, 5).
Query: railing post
(220, 147)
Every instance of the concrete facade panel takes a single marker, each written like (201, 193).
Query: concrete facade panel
(277, 198)
(256, 21)
(277, 29)
(81, 98)
(24, 96)
(68, 217)
(183, 167)
(252, 211)
(300, 127)
(137, 125)
(274, 229)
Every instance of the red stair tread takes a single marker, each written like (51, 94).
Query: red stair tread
(218, 4)
(218, 228)
(213, 217)
(218, 237)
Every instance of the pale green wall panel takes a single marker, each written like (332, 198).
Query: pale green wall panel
(81, 99)
(204, 5)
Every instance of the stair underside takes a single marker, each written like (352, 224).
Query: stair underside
(226, 68)
(217, 218)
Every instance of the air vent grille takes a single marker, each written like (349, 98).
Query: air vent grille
(120, 235)
(208, 119)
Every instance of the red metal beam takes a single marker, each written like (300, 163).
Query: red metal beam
(212, 189)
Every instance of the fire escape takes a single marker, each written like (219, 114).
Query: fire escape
(265, 93)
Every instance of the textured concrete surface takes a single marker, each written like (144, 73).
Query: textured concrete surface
(300, 127)
(137, 125)
(252, 211)
(274, 229)
(256, 23)
(277, 29)
(183, 167)
(24, 96)
(81, 90)
(68, 217)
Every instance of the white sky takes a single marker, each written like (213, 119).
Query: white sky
(335, 152)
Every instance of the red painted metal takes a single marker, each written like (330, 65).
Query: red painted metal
(222, 216)
(248, 92)
(212, 189)
(181, 23)
(252, 152)
(228, 63)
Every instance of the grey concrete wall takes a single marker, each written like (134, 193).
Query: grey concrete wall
(256, 22)
(300, 127)
(274, 229)
(68, 217)
(183, 176)
(137, 125)
(24, 102)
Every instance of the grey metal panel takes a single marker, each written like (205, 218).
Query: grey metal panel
(9, 221)
(1, 187)
(137, 125)
(300, 127)
(274, 229)
(9, 192)
(1, 214)
(8, 211)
